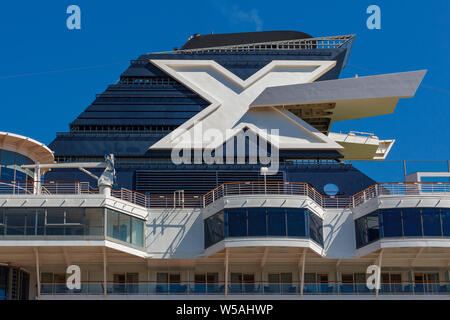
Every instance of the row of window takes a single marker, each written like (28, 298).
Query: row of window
(51, 221)
(71, 222)
(245, 283)
(125, 228)
(10, 169)
(263, 222)
(402, 222)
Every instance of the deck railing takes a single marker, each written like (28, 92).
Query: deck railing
(248, 288)
(180, 200)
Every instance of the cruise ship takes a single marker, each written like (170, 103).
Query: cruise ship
(211, 172)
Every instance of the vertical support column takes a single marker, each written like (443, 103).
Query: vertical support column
(380, 258)
(38, 273)
(337, 280)
(226, 272)
(189, 282)
(105, 275)
(148, 278)
(37, 179)
(302, 276)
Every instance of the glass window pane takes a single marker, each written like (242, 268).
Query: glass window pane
(40, 230)
(237, 226)
(373, 227)
(162, 277)
(214, 229)
(55, 216)
(286, 277)
(361, 232)
(392, 223)
(7, 165)
(296, 222)
(445, 212)
(30, 222)
(315, 228)
(257, 222)
(200, 278)
(137, 233)
(94, 222)
(310, 278)
(125, 227)
(2, 222)
(431, 222)
(74, 215)
(15, 220)
(412, 223)
(276, 222)
(113, 224)
(212, 277)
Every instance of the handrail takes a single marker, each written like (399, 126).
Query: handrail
(232, 189)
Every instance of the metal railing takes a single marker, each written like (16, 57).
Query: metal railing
(269, 188)
(402, 189)
(44, 187)
(308, 43)
(247, 288)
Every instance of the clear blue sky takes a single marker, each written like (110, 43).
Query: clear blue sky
(50, 74)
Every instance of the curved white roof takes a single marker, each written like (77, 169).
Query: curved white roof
(35, 150)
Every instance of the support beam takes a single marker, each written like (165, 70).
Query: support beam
(302, 275)
(105, 275)
(38, 273)
(226, 271)
(264, 258)
(379, 262)
(419, 252)
(66, 257)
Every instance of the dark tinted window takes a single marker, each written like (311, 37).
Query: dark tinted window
(315, 228)
(412, 222)
(214, 229)
(392, 223)
(446, 221)
(257, 222)
(431, 222)
(296, 222)
(237, 226)
(276, 221)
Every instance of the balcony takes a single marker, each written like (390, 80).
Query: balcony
(330, 289)
(179, 200)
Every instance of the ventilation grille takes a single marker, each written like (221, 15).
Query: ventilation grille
(192, 182)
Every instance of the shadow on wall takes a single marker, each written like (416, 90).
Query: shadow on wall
(339, 239)
(179, 232)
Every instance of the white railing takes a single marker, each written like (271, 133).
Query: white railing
(180, 200)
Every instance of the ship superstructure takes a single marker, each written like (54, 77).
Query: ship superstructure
(222, 177)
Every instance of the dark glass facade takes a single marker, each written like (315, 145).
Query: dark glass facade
(51, 222)
(402, 222)
(82, 222)
(10, 169)
(263, 222)
(125, 228)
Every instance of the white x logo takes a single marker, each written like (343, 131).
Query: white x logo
(231, 96)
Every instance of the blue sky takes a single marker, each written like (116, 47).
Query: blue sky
(50, 74)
